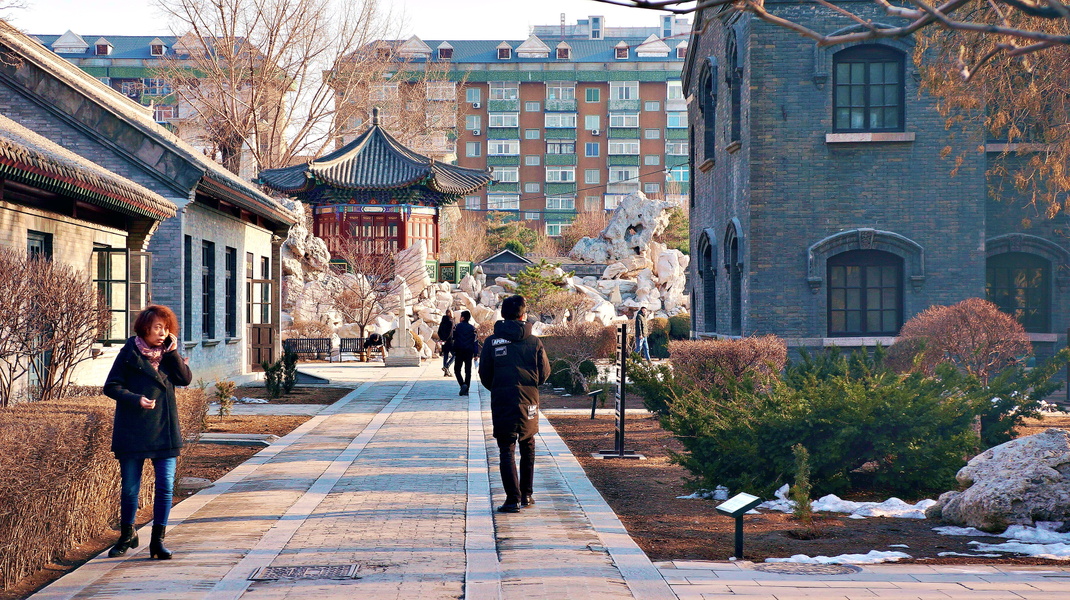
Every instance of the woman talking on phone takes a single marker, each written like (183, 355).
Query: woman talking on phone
(142, 382)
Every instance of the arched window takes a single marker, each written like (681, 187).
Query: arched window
(734, 268)
(865, 293)
(868, 90)
(1020, 285)
(708, 106)
(734, 79)
(708, 276)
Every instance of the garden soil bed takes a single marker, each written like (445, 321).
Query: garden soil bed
(208, 461)
(644, 494)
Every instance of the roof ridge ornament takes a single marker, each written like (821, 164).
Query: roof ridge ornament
(375, 116)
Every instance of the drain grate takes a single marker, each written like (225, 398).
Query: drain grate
(305, 572)
(806, 569)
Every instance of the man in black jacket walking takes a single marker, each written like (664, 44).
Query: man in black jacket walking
(512, 366)
(465, 346)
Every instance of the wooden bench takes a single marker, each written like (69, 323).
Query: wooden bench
(312, 347)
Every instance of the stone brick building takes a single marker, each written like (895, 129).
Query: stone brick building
(217, 262)
(823, 205)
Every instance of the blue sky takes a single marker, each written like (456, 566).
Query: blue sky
(433, 19)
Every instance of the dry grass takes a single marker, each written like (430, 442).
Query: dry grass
(59, 481)
(708, 364)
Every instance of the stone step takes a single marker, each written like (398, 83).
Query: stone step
(239, 439)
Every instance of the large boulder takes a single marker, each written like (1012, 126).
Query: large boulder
(634, 223)
(1016, 483)
(411, 265)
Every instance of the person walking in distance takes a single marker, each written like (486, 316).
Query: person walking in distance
(642, 346)
(142, 382)
(445, 336)
(465, 347)
(512, 365)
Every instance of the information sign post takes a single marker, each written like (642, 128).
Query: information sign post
(619, 405)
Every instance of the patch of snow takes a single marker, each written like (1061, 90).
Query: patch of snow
(969, 555)
(892, 507)
(898, 546)
(699, 495)
(870, 558)
(720, 493)
(252, 401)
(1042, 541)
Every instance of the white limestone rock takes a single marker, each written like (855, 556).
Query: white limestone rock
(505, 283)
(634, 222)
(604, 312)
(1016, 483)
(411, 264)
(470, 285)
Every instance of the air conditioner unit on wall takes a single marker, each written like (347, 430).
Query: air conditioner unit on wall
(476, 132)
(476, 105)
(596, 132)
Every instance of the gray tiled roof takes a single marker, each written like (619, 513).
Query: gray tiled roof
(595, 51)
(123, 46)
(375, 161)
(28, 157)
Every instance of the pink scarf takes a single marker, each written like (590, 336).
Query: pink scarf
(153, 353)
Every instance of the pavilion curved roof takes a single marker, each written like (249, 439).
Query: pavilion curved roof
(375, 161)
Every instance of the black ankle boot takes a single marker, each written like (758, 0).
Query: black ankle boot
(156, 547)
(127, 539)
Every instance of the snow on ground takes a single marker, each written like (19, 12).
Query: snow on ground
(892, 507)
(1042, 541)
(872, 557)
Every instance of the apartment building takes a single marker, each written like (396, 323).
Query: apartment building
(570, 119)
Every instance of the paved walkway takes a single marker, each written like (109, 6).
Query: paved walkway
(389, 493)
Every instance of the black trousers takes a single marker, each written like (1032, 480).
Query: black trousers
(517, 485)
(464, 358)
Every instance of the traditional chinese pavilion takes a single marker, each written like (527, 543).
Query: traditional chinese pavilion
(376, 191)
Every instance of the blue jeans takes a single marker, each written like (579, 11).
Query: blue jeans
(447, 358)
(130, 469)
(642, 347)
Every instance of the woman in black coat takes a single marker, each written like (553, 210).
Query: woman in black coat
(142, 382)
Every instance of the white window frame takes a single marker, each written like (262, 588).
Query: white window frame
(674, 90)
(504, 90)
(532, 134)
(503, 147)
(561, 150)
(676, 148)
(155, 86)
(503, 202)
(532, 106)
(473, 122)
(506, 174)
(559, 120)
(473, 202)
(560, 91)
(652, 106)
(532, 160)
(532, 216)
(623, 90)
(651, 134)
(676, 119)
(628, 119)
(652, 160)
(442, 90)
(623, 148)
(679, 174)
(560, 203)
(612, 200)
(651, 188)
(591, 122)
(473, 94)
(509, 119)
(532, 187)
(473, 149)
(555, 229)
(587, 149)
(623, 174)
(560, 175)
(592, 176)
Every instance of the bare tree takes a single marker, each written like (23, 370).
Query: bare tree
(572, 345)
(51, 316)
(366, 286)
(285, 80)
(466, 240)
(1019, 25)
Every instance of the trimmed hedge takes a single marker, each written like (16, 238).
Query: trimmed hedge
(59, 481)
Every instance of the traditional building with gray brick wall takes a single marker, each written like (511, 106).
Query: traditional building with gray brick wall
(823, 205)
(200, 253)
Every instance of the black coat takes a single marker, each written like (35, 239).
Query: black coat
(512, 366)
(142, 432)
(464, 338)
(445, 334)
